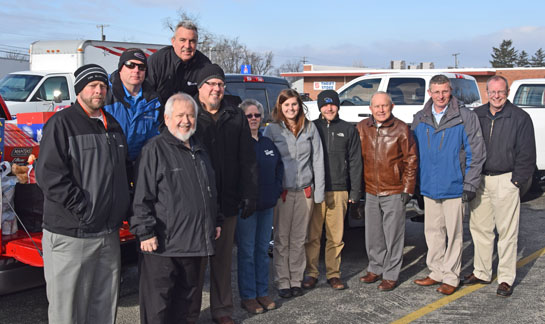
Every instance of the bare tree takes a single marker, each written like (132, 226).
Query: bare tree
(290, 66)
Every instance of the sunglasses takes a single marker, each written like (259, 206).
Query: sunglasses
(131, 65)
(250, 116)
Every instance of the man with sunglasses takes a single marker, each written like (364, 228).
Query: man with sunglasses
(506, 175)
(174, 68)
(132, 101)
(224, 131)
(343, 169)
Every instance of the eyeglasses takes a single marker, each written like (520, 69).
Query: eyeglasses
(250, 116)
(131, 65)
(214, 84)
(499, 93)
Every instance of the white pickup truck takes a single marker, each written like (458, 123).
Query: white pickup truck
(529, 94)
(52, 64)
(408, 91)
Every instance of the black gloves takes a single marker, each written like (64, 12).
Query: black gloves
(405, 197)
(468, 196)
(248, 207)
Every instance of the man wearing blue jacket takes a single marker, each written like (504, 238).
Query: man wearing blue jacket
(451, 154)
(132, 101)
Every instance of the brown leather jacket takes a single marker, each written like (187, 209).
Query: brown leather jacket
(390, 157)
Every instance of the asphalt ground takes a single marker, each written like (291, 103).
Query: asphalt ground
(363, 303)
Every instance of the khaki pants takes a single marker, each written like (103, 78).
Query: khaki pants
(331, 212)
(291, 219)
(443, 229)
(497, 205)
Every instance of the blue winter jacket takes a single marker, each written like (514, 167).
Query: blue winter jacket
(271, 172)
(451, 154)
(140, 121)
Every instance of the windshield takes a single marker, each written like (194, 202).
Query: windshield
(17, 87)
(466, 91)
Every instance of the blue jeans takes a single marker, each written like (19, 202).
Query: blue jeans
(253, 236)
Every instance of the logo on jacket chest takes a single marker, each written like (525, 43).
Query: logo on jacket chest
(269, 152)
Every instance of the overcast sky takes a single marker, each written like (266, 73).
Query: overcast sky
(340, 33)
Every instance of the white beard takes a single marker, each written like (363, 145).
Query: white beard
(185, 137)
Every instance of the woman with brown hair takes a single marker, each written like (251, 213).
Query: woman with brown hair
(300, 147)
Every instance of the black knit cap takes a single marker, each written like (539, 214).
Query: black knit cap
(87, 74)
(328, 97)
(132, 54)
(209, 71)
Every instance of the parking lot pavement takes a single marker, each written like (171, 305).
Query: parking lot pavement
(363, 303)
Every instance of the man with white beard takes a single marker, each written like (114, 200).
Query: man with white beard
(175, 215)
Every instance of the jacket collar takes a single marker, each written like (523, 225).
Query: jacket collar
(118, 92)
(173, 140)
(370, 122)
(505, 112)
(452, 111)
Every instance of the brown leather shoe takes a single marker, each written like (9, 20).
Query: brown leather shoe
(426, 282)
(446, 289)
(387, 285)
(504, 290)
(471, 280)
(336, 283)
(266, 302)
(370, 277)
(223, 320)
(309, 282)
(252, 306)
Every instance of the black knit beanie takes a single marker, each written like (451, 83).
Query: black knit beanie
(328, 97)
(209, 71)
(87, 74)
(132, 54)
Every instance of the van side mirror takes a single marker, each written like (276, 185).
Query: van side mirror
(57, 96)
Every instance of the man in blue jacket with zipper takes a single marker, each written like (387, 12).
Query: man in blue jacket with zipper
(451, 154)
(132, 101)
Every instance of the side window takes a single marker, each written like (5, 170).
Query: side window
(407, 91)
(359, 94)
(530, 95)
(466, 91)
(45, 92)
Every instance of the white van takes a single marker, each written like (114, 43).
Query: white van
(408, 91)
(529, 94)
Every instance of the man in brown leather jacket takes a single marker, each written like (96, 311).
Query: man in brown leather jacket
(389, 162)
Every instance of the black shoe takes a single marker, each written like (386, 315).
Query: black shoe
(504, 290)
(285, 293)
(296, 291)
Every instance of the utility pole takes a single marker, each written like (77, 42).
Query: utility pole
(455, 60)
(103, 37)
(304, 60)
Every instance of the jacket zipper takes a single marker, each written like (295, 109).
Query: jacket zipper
(441, 143)
(375, 161)
(491, 128)
(198, 167)
(428, 134)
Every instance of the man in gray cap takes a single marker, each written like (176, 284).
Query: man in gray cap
(224, 131)
(81, 171)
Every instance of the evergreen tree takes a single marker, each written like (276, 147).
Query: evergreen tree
(504, 56)
(538, 59)
(522, 60)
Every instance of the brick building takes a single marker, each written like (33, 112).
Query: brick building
(317, 78)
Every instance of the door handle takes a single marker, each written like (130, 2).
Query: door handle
(364, 115)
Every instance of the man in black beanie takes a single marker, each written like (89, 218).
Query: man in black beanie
(224, 131)
(343, 169)
(82, 173)
(133, 102)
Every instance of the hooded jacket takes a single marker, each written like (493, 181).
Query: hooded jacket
(451, 154)
(175, 198)
(140, 121)
(82, 173)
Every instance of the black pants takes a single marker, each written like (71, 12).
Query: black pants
(167, 285)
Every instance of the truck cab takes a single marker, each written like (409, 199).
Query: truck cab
(29, 91)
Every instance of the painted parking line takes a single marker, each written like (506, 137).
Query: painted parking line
(460, 293)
